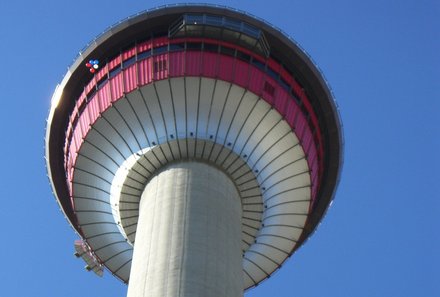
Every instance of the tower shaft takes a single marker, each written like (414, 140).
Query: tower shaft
(188, 238)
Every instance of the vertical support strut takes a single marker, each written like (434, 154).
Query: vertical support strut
(188, 238)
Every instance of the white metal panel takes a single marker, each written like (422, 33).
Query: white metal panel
(271, 145)
(200, 148)
(93, 180)
(175, 148)
(229, 112)
(180, 106)
(278, 242)
(183, 147)
(253, 207)
(90, 204)
(98, 148)
(133, 122)
(264, 262)
(246, 142)
(221, 91)
(246, 180)
(297, 194)
(94, 167)
(104, 227)
(191, 144)
(192, 85)
(166, 150)
(94, 217)
(155, 112)
(223, 155)
(115, 261)
(166, 106)
(82, 190)
(284, 167)
(300, 207)
(114, 247)
(289, 170)
(247, 281)
(146, 166)
(276, 254)
(206, 91)
(103, 136)
(281, 231)
(294, 220)
(116, 131)
(136, 100)
(243, 111)
(213, 154)
(254, 271)
(125, 268)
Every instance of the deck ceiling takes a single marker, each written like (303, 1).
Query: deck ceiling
(193, 118)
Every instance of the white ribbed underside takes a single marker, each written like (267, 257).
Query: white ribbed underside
(174, 117)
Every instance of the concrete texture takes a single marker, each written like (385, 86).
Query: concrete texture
(188, 239)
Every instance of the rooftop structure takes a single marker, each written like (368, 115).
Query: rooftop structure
(198, 154)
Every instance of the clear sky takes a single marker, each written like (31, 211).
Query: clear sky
(382, 60)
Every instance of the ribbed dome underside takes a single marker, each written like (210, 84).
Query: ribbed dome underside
(193, 118)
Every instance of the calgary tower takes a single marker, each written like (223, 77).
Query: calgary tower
(193, 148)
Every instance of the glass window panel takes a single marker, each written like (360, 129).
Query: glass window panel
(194, 30)
(272, 73)
(250, 30)
(229, 35)
(213, 32)
(177, 47)
(129, 62)
(243, 56)
(194, 46)
(144, 55)
(211, 47)
(247, 41)
(260, 65)
(214, 20)
(233, 24)
(284, 84)
(227, 51)
(114, 72)
(193, 19)
(160, 50)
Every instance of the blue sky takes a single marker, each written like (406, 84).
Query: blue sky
(382, 60)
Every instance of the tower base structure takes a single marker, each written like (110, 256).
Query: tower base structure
(188, 239)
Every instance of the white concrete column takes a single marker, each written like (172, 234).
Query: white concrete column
(188, 238)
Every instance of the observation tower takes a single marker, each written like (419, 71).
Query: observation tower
(202, 151)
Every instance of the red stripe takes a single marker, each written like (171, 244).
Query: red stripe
(206, 64)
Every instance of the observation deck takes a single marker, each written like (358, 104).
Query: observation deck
(195, 83)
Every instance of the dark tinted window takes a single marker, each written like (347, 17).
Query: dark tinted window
(194, 46)
(114, 72)
(243, 56)
(227, 51)
(177, 47)
(210, 47)
(160, 50)
(144, 55)
(129, 62)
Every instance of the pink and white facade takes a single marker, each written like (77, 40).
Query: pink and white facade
(181, 86)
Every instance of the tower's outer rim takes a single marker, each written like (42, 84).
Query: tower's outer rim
(283, 49)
